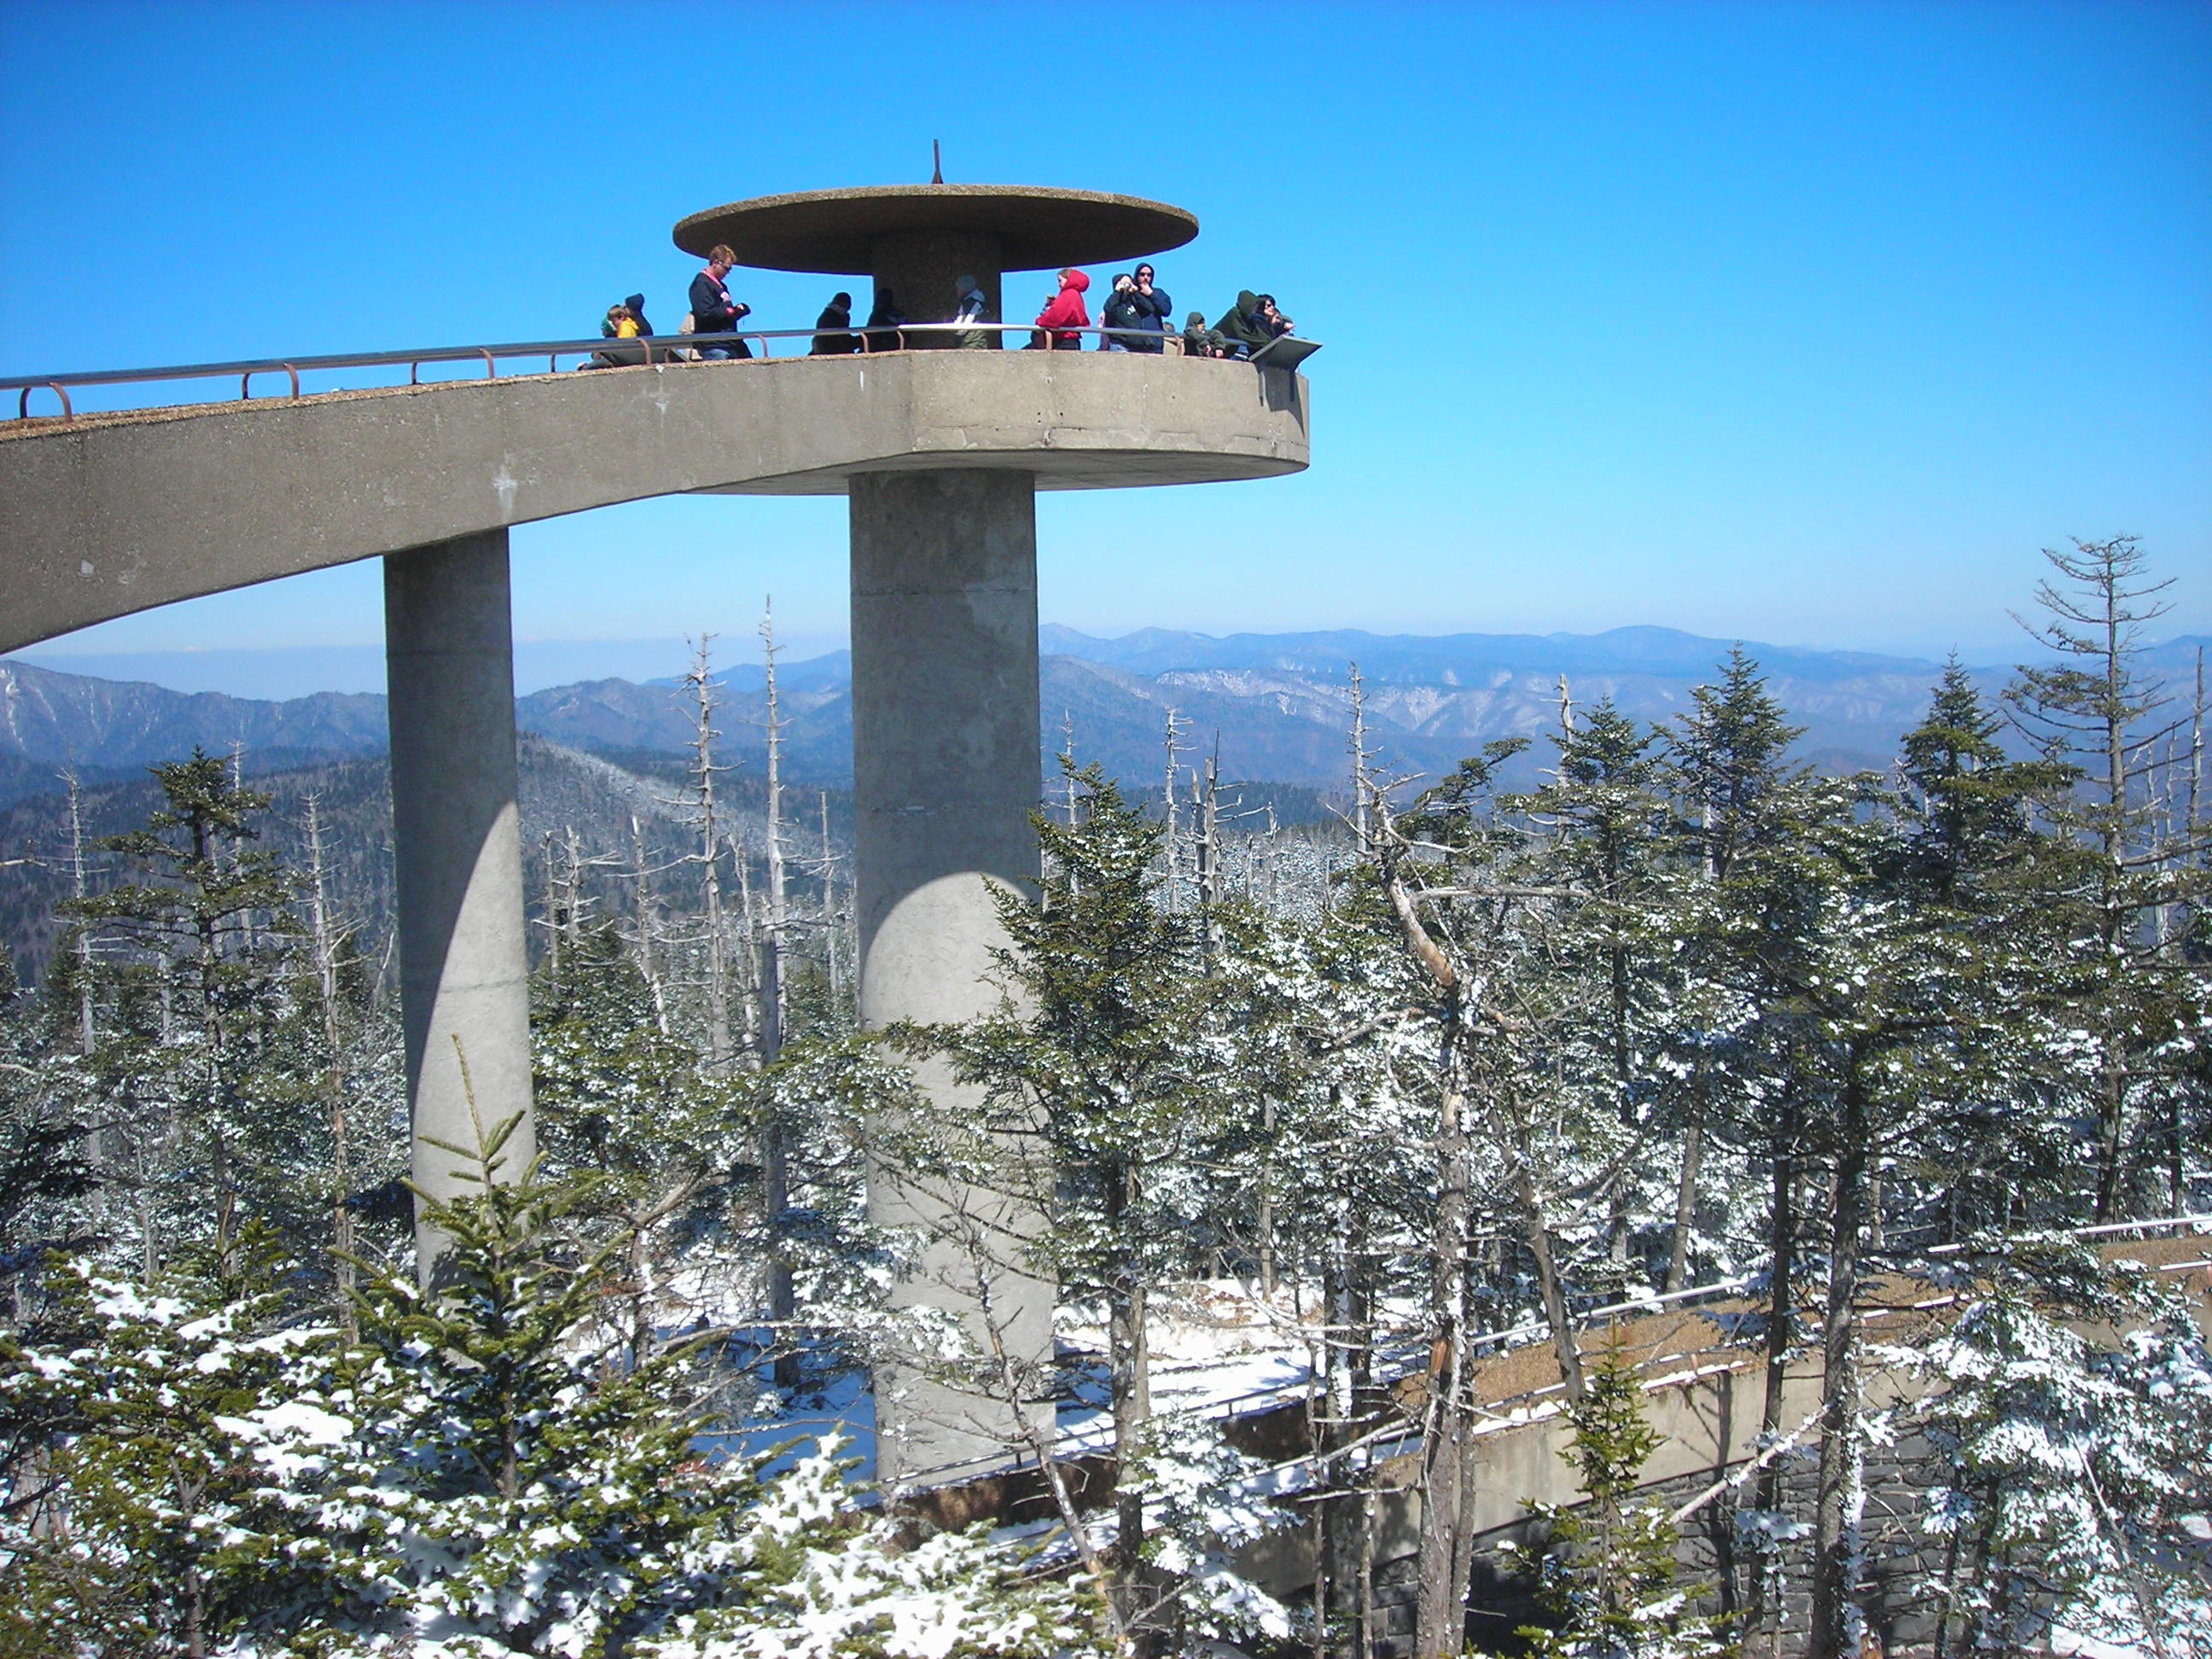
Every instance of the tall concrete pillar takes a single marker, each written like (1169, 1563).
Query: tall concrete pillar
(923, 268)
(463, 963)
(944, 775)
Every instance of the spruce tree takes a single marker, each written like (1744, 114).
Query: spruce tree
(1728, 761)
(1966, 805)
(1968, 860)
(1727, 766)
(209, 921)
(2069, 1455)
(1608, 849)
(2116, 879)
(1105, 1061)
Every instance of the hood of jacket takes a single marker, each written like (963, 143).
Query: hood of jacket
(1077, 280)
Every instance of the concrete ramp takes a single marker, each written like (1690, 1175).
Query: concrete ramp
(107, 515)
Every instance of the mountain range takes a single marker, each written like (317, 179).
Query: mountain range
(1276, 707)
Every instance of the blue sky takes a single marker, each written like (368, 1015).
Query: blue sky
(1807, 324)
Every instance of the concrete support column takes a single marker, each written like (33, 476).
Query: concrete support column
(921, 269)
(463, 964)
(944, 775)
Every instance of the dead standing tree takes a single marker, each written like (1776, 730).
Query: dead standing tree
(1467, 934)
(699, 680)
(329, 938)
(776, 1178)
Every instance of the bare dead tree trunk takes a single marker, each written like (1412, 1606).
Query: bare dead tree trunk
(832, 952)
(1067, 753)
(1765, 1597)
(1685, 1189)
(1208, 812)
(776, 1176)
(1837, 1539)
(552, 901)
(1265, 1220)
(87, 1033)
(1440, 1615)
(699, 680)
(1171, 848)
(326, 941)
(746, 983)
(1565, 1346)
(641, 887)
(2197, 759)
(1129, 1389)
(1360, 785)
(2192, 831)
(573, 886)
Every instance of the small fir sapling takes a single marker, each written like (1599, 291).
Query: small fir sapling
(1609, 1574)
(141, 1523)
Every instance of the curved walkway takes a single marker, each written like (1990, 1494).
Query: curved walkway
(107, 515)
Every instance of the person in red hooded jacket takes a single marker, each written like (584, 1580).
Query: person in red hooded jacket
(1063, 314)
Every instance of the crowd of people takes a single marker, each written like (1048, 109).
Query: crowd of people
(1136, 316)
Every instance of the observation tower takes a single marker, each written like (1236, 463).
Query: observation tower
(946, 716)
(940, 452)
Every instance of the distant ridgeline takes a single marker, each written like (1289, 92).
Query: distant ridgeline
(1276, 707)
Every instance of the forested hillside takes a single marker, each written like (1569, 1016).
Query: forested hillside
(1682, 1015)
(563, 789)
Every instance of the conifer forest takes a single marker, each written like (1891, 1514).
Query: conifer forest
(1478, 1108)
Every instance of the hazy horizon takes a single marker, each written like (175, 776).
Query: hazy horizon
(282, 672)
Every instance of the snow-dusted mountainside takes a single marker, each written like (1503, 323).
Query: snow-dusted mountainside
(57, 718)
(1277, 708)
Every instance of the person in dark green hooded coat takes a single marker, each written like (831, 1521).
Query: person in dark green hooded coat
(1242, 327)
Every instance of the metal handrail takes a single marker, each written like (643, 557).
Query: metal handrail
(665, 345)
(655, 350)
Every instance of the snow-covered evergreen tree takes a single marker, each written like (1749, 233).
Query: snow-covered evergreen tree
(479, 1471)
(2072, 1456)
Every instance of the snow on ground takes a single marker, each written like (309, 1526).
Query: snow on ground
(1219, 1346)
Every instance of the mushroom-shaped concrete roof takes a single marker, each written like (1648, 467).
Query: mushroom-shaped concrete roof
(838, 231)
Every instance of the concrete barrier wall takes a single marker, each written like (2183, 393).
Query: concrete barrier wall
(1705, 1401)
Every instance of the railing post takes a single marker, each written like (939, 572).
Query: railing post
(23, 403)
